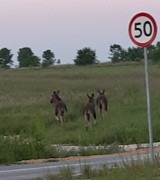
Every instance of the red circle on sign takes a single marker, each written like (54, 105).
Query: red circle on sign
(143, 44)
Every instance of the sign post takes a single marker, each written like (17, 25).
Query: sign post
(142, 31)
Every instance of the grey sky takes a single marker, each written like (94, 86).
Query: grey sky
(64, 26)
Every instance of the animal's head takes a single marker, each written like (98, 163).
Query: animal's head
(91, 98)
(101, 92)
(55, 97)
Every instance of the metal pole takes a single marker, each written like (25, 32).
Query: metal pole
(148, 104)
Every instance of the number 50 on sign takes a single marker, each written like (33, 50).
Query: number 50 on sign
(142, 29)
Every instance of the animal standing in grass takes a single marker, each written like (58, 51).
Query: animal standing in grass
(89, 112)
(60, 106)
(102, 102)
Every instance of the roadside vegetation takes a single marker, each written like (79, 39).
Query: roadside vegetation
(27, 124)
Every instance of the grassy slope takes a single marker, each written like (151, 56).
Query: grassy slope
(25, 107)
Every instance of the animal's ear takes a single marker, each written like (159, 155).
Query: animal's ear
(92, 94)
(88, 96)
(54, 92)
(103, 91)
(58, 91)
(98, 91)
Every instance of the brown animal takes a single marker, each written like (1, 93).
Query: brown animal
(89, 112)
(102, 102)
(60, 106)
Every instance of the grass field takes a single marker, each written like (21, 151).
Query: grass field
(27, 124)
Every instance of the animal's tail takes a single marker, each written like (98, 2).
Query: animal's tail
(106, 106)
(94, 115)
(100, 107)
(62, 113)
(88, 116)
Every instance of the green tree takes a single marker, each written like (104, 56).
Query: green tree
(154, 53)
(85, 56)
(26, 58)
(117, 53)
(150, 50)
(5, 58)
(48, 58)
(134, 54)
(58, 61)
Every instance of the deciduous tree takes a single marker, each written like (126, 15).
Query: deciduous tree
(48, 58)
(5, 58)
(134, 54)
(85, 56)
(117, 53)
(155, 53)
(26, 58)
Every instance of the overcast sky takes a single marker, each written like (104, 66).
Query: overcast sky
(64, 26)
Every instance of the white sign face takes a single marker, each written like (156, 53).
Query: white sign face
(142, 29)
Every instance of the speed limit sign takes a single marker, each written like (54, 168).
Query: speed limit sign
(142, 29)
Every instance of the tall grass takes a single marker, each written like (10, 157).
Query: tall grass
(25, 109)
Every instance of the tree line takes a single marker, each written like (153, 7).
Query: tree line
(119, 54)
(85, 56)
(27, 58)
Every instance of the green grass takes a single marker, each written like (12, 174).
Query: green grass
(25, 107)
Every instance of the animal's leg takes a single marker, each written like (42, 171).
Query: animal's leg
(102, 115)
(100, 108)
(102, 112)
(64, 117)
(57, 118)
(86, 123)
(90, 123)
(61, 119)
(94, 117)
(94, 121)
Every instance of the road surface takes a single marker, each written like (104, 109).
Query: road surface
(34, 170)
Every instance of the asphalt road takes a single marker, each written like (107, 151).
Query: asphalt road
(31, 171)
